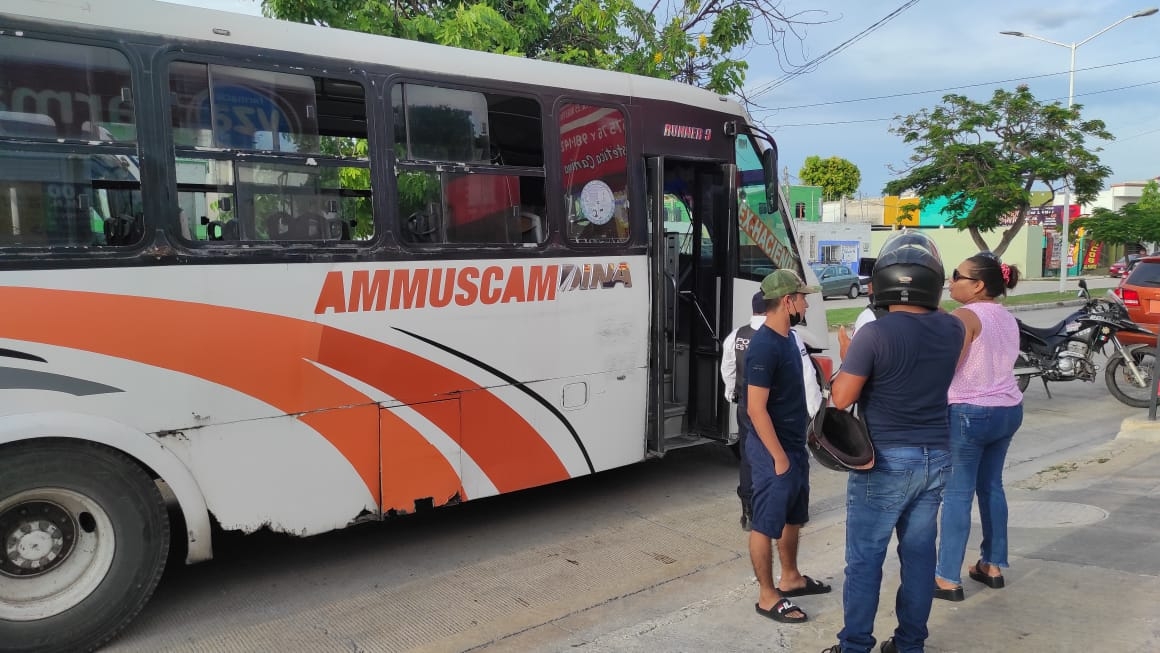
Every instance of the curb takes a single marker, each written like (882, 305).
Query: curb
(1139, 428)
(1037, 307)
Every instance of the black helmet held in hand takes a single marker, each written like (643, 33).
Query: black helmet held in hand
(840, 441)
(908, 271)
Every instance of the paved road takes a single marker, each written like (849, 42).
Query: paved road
(603, 563)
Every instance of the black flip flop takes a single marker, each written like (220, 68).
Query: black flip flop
(780, 612)
(977, 574)
(811, 587)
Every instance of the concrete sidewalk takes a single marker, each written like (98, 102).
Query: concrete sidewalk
(1084, 576)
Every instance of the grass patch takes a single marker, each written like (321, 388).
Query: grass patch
(836, 317)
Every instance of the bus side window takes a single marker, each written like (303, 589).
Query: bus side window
(312, 184)
(469, 167)
(91, 195)
(594, 160)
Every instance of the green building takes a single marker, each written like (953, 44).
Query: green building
(805, 203)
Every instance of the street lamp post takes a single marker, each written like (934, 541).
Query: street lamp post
(1070, 99)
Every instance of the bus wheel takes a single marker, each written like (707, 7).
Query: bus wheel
(83, 540)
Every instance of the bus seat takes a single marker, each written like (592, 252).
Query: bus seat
(123, 230)
(531, 227)
(279, 226)
(335, 228)
(230, 230)
(315, 226)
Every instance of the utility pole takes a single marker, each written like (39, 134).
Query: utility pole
(785, 184)
(1064, 249)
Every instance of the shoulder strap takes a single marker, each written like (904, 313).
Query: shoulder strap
(823, 382)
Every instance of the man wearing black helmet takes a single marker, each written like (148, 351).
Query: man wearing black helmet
(898, 368)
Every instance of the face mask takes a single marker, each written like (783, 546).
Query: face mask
(796, 318)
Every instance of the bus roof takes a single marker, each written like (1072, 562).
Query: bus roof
(185, 22)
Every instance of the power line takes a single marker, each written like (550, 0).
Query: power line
(956, 88)
(849, 122)
(837, 122)
(812, 65)
(1132, 137)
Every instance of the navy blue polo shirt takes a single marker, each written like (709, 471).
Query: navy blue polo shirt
(908, 360)
(775, 362)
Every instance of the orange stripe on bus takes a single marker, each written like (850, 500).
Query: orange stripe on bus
(263, 356)
(412, 471)
(267, 357)
(498, 439)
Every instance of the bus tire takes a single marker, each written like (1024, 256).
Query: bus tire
(84, 537)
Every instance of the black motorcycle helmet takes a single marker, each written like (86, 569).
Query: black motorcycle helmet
(908, 271)
(840, 441)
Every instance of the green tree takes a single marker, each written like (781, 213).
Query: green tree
(1112, 228)
(838, 177)
(986, 157)
(1138, 222)
(699, 42)
(1150, 197)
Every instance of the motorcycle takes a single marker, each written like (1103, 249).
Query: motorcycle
(1064, 351)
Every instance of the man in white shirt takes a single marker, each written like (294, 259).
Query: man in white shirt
(868, 315)
(733, 372)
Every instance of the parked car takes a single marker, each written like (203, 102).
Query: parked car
(840, 280)
(1140, 292)
(1120, 267)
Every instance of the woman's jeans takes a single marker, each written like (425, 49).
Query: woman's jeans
(980, 436)
(902, 491)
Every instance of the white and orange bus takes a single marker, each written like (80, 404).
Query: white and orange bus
(295, 279)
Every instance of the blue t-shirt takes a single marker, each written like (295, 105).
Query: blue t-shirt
(774, 361)
(908, 360)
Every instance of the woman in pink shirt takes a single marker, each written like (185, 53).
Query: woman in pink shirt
(985, 410)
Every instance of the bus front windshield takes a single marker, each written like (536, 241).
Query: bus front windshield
(765, 240)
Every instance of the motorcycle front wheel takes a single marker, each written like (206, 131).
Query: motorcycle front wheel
(1122, 383)
(1023, 379)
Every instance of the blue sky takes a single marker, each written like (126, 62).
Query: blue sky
(940, 44)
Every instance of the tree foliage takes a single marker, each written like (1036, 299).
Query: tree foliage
(985, 158)
(838, 177)
(699, 42)
(1113, 227)
(1138, 222)
(1150, 196)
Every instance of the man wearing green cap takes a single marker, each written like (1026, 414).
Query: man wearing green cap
(777, 456)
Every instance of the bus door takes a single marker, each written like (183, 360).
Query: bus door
(689, 207)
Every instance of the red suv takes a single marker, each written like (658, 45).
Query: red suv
(1140, 291)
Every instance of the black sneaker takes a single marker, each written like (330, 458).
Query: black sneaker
(888, 646)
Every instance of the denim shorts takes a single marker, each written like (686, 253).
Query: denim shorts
(778, 500)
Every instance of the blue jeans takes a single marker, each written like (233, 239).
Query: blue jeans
(980, 436)
(902, 491)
